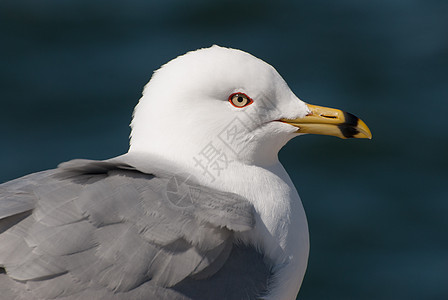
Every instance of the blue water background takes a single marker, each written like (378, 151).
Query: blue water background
(72, 71)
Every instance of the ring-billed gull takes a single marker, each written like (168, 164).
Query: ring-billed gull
(199, 207)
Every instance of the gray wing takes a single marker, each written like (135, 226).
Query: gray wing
(103, 230)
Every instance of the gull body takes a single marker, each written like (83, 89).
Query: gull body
(213, 119)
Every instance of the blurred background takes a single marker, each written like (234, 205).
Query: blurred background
(72, 71)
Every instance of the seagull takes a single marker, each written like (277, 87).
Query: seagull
(199, 207)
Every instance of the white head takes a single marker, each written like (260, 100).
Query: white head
(188, 104)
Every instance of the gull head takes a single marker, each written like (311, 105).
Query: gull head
(221, 100)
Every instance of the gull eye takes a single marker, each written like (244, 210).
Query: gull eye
(240, 100)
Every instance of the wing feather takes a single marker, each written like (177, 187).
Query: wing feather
(104, 228)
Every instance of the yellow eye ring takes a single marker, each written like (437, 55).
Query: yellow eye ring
(240, 100)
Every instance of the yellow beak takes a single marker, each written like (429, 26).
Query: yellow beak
(330, 121)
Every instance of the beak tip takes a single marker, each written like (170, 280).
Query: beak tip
(364, 130)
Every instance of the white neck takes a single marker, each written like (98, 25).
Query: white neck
(281, 229)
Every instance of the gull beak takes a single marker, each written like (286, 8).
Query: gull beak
(330, 121)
